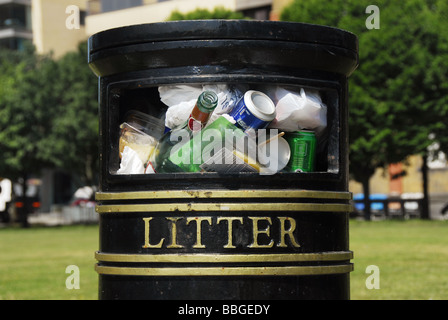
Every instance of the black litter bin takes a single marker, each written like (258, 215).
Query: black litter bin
(211, 235)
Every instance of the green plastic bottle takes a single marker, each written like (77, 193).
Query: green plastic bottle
(191, 155)
(180, 136)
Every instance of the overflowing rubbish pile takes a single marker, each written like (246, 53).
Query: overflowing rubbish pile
(226, 129)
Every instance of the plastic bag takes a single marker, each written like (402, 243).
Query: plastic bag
(297, 111)
(130, 162)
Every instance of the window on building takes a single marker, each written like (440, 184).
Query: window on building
(13, 43)
(82, 17)
(15, 16)
(112, 5)
(261, 13)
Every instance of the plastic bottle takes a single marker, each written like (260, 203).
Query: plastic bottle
(197, 120)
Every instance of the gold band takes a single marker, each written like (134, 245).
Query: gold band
(207, 207)
(211, 194)
(224, 258)
(227, 271)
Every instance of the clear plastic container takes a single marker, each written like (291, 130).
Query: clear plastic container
(140, 132)
(145, 123)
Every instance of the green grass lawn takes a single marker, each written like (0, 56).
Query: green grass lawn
(33, 262)
(412, 257)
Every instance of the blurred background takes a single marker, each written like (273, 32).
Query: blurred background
(48, 97)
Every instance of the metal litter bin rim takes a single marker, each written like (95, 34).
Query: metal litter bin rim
(222, 29)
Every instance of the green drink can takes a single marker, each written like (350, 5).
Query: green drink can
(303, 151)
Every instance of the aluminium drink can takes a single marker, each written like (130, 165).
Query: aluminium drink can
(303, 151)
(255, 110)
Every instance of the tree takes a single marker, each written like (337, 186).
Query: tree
(48, 115)
(438, 76)
(199, 14)
(74, 132)
(26, 109)
(394, 92)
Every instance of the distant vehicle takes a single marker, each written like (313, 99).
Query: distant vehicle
(31, 204)
(12, 201)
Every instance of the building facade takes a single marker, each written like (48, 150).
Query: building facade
(108, 14)
(55, 25)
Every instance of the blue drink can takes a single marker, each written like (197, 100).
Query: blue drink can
(255, 110)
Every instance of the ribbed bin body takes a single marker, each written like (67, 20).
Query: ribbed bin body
(223, 236)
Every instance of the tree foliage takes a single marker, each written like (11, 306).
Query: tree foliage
(204, 14)
(74, 133)
(48, 114)
(25, 109)
(398, 93)
(439, 77)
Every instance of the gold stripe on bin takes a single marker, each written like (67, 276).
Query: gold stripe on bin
(223, 258)
(212, 194)
(226, 271)
(188, 207)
